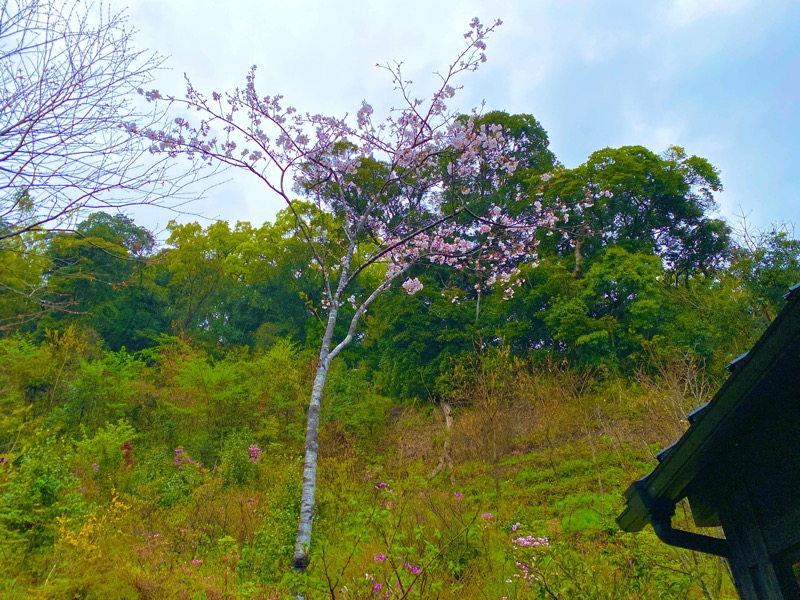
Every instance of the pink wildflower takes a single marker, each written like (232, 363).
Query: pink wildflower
(530, 541)
(413, 569)
(181, 458)
(255, 452)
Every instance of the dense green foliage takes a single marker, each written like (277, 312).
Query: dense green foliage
(152, 400)
(173, 472)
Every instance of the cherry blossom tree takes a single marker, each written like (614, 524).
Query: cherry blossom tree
(68, 80)
(401, 191)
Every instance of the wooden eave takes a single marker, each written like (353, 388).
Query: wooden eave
(774, 358)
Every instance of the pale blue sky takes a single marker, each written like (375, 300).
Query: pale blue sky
(718, 77)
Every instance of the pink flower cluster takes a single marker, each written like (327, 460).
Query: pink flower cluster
(526, 556)
(181, 458)
(412, 286)
(255, 452)
(377, 587)
(413, 569)
(530, 541)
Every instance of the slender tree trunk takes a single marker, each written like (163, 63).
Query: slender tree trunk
(578, 271)
(495, 460)
(478, 307)
(480, 295)
(446, 457)
(300, 558)
(303, 541)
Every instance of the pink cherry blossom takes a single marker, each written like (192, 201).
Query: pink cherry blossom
(430, 163)
(412, 286)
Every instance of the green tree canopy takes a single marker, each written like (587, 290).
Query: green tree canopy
(640, 201)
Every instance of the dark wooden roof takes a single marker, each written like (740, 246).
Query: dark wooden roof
(769, 373)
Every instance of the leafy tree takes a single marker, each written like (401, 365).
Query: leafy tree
(22, 281)
(199, 279)
(415, 341)
(617, 306)
(712, 321)
(242, 285)
(525, 141)
(97, 275)
(411, 341)
(768, 263)
(286, 289)
(101, 391)
(522, 321)
(640, 201)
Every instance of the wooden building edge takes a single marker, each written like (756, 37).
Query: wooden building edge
(738, 464)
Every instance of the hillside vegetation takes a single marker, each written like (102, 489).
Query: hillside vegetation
(475, 442)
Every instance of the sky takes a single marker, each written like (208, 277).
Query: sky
(720, 78)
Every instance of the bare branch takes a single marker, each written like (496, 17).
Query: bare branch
(69, 76)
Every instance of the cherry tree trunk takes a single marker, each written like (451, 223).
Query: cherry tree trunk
(302, 545)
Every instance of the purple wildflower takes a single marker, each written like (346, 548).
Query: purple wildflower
(530, 541)
(181, 458)
(413, 569)
(255, 452)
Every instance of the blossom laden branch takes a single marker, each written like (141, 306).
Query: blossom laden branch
(397, 192)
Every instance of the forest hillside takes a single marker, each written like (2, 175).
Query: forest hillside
(449, 352)
(475, 442)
